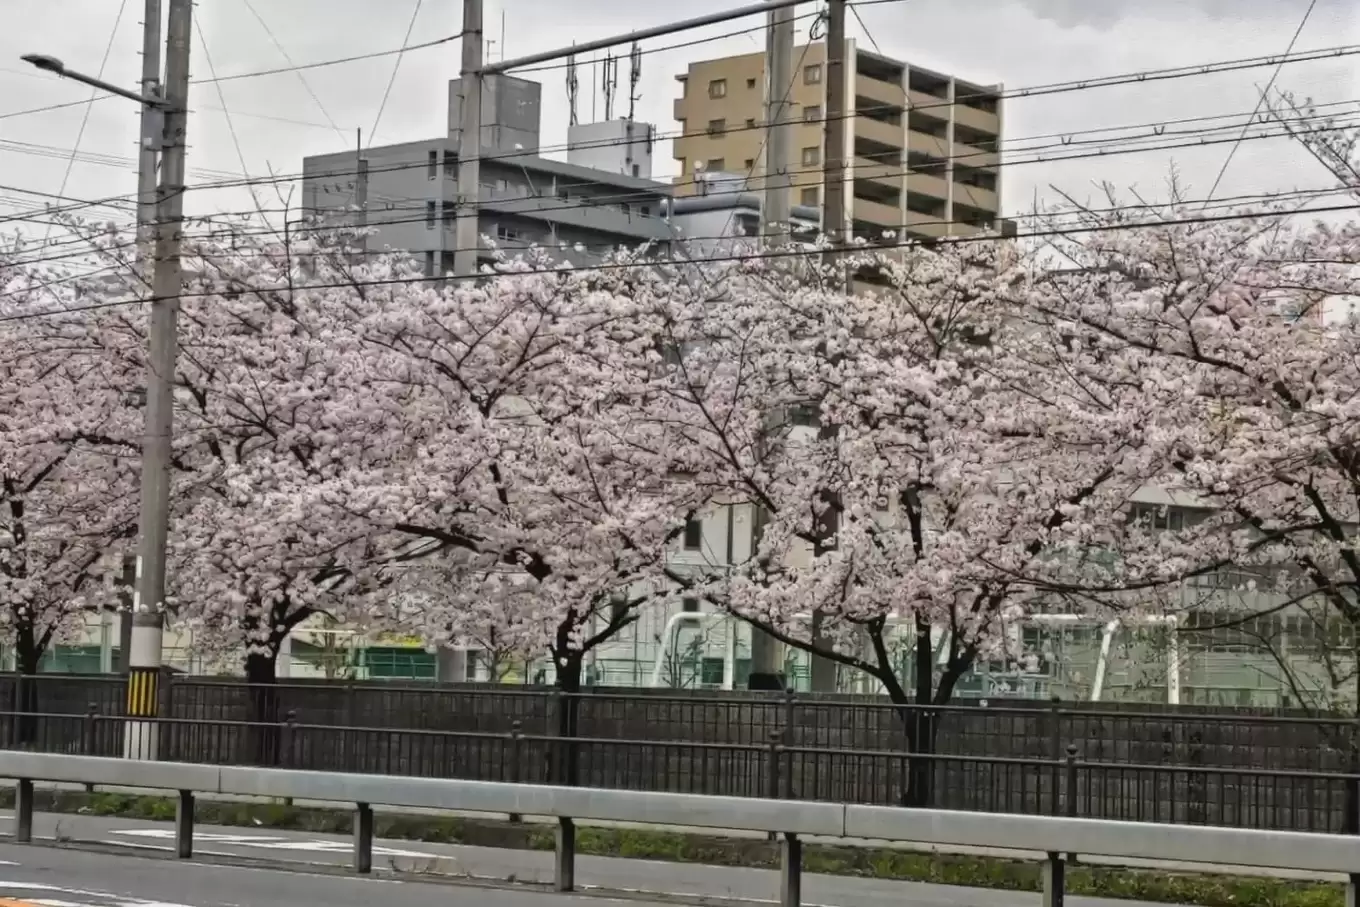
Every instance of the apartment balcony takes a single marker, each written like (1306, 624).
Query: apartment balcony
(885, 174)
(972, 156)
(928, 104)
(977, 119)
(925, 184)
(887, 216)
(878, 92)
(926, 224)
(937, 147)
(878, 131)
(975, 196)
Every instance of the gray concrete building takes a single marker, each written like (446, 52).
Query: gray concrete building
(408, 192)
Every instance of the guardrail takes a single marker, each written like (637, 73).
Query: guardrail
(1060, 838)
(1073, 786)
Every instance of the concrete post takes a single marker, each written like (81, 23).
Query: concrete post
(23, 811)
(184, 825)
(791, 871)
(1053, 873)
(141, 733)
(565, 875)
(363, 838)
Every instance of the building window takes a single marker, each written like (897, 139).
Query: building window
(429, 263)
(506, 234)
(448, 214)
(812, 75)
(750, 163)
(812, 113)
(717, 165)
(694, 534)
(429, 215)
(750, 83)
(812, 155)
(809, 197)
(636, 170)
(450, 165)
(432, 165)
(717, 88)
(689, 605)
(750, 123)
(717, 127)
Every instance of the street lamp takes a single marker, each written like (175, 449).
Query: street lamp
(161, 211)
(56, 67)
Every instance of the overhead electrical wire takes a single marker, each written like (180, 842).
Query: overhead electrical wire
(654, 195)
(772, 254)
(392, 79)
(283, 51)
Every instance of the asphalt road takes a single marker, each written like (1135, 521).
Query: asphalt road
(53, 877)
(133, 864)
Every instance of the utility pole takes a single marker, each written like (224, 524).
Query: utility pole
(779, 131)
(767, 653)
(148, 158)
(822, 671)
(833, 157)
(144, 659)
(148, 154)
(467, 235)
(361, 191)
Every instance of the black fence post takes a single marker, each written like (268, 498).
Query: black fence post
(1055, 750)
(88, 744)
(287, 743)
(1070, 800)
(774, 754)
(516, 754)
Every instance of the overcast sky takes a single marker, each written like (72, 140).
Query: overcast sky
(1019, 43)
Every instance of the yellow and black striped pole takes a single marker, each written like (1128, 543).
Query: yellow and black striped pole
(143, 692)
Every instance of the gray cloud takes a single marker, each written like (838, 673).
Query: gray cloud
(1103, 14)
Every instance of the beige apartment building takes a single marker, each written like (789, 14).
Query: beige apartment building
(922, 148)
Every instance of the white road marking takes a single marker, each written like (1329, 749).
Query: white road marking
(271, 843)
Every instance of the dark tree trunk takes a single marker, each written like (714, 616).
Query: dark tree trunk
(569, 670)
(28, 653)
(262, 690)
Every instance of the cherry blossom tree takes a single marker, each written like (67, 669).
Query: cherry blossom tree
(1233, 310)
(550, 502)
(923, 456)
(284, 459)
(69, 430)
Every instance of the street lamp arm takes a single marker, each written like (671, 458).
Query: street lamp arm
(57, 67)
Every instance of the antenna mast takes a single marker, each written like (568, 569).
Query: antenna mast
(611, 84)
(634, 77)
(573, 86)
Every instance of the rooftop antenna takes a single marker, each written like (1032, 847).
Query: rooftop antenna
(634, 77)
(573, 87)
(611, 84)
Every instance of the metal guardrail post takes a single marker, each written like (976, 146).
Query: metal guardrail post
(363, 838)
(1070, 794)
(1053, 874)
(564, 876)
(516, 759)
(791, 872)
(1353, 890)
(184, 825)
(23, 811)
(772, 780)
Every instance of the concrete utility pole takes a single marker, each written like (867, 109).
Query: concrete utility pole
(361, 190)
(145, 651)
(822, 671)
(767, 653)
(779, 131)
(148, 159)
(833, 157)
(466, 235)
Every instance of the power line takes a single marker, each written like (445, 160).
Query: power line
(392, 80)
(1229, 203)
(222, 99)
(1031, 91)
(744, 256)
(1232, 151)
(615, 199)
(265, 72)
(278, 45)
